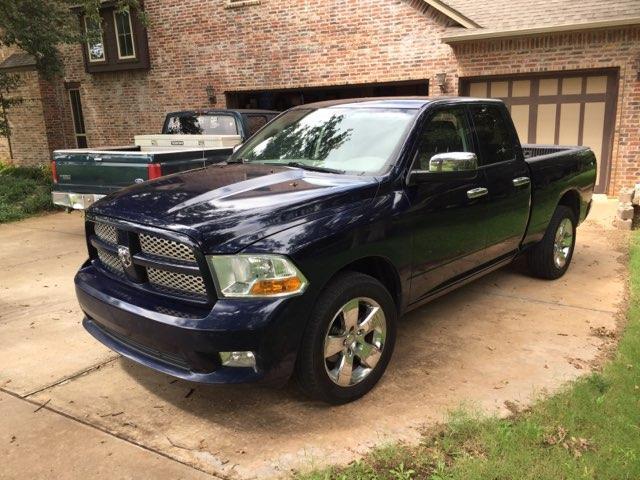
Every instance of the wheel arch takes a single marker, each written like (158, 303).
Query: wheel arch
(571, 199)
(380, 268)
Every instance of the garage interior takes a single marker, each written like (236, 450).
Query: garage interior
(287, 98)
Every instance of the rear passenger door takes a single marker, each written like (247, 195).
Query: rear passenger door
(507, 177)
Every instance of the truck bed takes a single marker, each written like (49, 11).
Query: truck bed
(556, 169)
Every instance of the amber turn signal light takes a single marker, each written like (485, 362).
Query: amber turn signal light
(276, 286)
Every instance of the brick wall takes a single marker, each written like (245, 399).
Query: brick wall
(29, 140)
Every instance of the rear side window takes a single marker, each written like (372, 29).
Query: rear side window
(202, 125)
(255, 123)
(495, 139)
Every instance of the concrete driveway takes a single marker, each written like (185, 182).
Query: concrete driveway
(507, 337)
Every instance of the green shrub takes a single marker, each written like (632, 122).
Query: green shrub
(24, 191)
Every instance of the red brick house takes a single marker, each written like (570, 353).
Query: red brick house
(569, 70)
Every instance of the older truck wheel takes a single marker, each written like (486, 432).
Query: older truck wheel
(551, 258)
(348, 341)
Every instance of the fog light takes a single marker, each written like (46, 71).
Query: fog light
(238, 359)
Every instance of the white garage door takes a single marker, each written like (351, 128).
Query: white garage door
(573, 108)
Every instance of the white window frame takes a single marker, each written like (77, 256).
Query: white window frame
(104, 47)
(133, 38)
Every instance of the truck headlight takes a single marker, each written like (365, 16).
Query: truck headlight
(248, 275)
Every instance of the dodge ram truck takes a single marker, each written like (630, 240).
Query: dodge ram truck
(299, 254)
(189, 139)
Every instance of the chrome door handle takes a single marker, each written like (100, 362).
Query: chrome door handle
(477, 192)
(519, 181)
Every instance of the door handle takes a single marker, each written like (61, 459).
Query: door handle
(519, 181)
(477, 192)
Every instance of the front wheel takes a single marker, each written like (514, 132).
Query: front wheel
(348, 341)
(551, 258)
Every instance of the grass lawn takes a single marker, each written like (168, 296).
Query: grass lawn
(589, 430)
(24, 191)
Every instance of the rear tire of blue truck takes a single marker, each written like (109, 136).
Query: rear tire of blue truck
(551, 257)
(348, 341)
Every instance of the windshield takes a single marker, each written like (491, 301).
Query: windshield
(202, 125)
(357, 140)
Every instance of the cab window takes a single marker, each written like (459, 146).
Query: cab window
(446, 131)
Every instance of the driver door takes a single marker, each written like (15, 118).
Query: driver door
(448, 214)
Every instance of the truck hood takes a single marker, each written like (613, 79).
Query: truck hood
(227, 207)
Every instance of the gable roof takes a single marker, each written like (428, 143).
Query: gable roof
(500, 18)
(18, 61)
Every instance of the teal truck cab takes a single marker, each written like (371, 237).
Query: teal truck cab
(189, 139)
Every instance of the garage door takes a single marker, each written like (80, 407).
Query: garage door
(286, 98)
(574, 108)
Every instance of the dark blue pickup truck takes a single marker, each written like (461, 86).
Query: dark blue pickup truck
(300, 253)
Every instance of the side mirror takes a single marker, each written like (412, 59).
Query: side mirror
(446, 163)
(453, 162)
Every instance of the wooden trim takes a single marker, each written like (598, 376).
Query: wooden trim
(452, 14)
(482, 34)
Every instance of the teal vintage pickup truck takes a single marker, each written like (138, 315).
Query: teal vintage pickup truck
(189, 139)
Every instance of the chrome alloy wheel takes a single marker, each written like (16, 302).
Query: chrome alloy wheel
(354, 341)
(563, 243)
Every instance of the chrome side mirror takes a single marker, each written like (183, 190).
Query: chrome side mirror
(453, 162)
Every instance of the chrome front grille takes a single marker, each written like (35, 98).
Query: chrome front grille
(176, 282)
(106, 233)
(161, 264)
(163, 247)
(110, 262)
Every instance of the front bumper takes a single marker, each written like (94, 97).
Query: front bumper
(185, 340)
(77, 201)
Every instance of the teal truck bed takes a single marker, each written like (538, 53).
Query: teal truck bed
(190, 139)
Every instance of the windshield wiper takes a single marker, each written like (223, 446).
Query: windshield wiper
(313, 168)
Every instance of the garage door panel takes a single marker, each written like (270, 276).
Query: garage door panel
(478, 89)
(521, 88)
(546, 124)
(548, 86)
(569, 124)
(520, 117)
(597, 85)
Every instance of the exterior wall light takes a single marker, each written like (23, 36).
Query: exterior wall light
(441, 81)
(211, 94)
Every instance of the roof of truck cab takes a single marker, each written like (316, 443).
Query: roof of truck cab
(391, 102)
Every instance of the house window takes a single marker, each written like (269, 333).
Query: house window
(95, 47)
(124, 34)
(78, 118)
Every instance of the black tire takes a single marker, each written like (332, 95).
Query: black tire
(541, 257)
(312, 375)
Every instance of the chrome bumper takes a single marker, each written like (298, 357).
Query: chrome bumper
(77, 201)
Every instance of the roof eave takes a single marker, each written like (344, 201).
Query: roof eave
(452, 13)
(520, 32)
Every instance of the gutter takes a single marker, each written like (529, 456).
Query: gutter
(482, 34)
